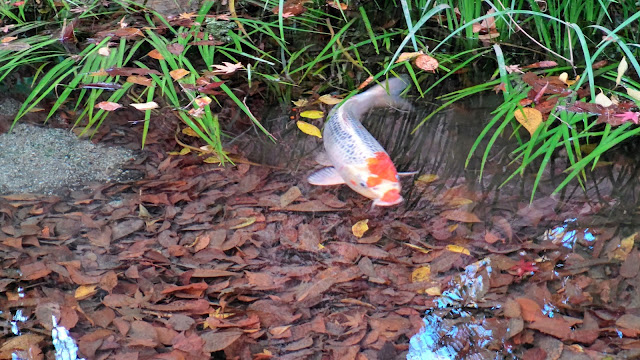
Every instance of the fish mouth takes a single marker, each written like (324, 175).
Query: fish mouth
(390, 198)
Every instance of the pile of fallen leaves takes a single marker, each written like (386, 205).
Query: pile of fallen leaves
(248, 262)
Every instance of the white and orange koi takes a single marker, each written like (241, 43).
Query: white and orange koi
(357, 158)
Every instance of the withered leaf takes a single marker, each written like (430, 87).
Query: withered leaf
(220, 340)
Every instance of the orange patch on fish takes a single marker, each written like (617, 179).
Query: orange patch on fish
(382, 167)
(391, 196)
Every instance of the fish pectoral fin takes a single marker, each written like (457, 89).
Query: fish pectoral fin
(323, 159)
(325, 177)
(411, 173)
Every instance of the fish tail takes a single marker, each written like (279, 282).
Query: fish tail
(377, 96)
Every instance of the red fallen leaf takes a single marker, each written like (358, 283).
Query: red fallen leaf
(524, 267)
(541, 64)
(191, 344)
(291, 8)
(119, 300)
(34, 271)
(599, 64)
(500, 87)
(219, 340)
(460, 216)
(200, 306)
(529, 309)
(556, 326)
(175, 48)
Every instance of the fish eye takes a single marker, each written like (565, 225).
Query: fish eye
(363, 184)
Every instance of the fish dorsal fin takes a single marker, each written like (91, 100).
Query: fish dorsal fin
(323, 159)
(325, 177)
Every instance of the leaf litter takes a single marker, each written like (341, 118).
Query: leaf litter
(198, 261)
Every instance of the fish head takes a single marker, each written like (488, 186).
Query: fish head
(377, 180)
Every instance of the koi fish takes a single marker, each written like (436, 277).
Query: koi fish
(357, 158)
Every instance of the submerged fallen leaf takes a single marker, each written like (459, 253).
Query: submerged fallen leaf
(625, 247)
(530, 118)
(360, 228)
(312, 114)
(309, 129)
(458, 249)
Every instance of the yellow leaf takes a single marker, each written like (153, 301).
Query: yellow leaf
(329, 100)
(312, 114)
(622, 68)
(146, 106)
(433, 291)
(184, 151)
(564, 77)
(587, 148)
(459, 201)
(408, 56)
(603, 100)
(247, 221)
(212, 160)
(422, 273)
(309, 129)
(530, 118)
(458, 249)
(155, 54)
(190, 132)
(85, 291)
(320, 246)
(625, 247)
(300, 102)
(360, 228)
(178, 74)
(427, 178)
(7, 39)
(635, 94)
(419, 248)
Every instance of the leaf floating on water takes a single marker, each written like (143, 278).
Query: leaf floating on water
(360, 228)
(329, 100)
(530, 118)
(427, 178)
(458, 249)
(312, 114)
(622, 68)
(309, 129)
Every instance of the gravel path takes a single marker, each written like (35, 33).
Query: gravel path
(44, 160)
